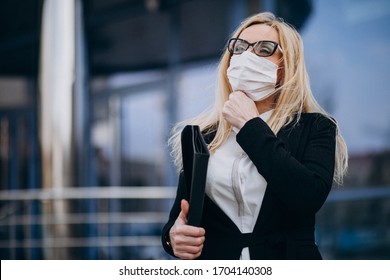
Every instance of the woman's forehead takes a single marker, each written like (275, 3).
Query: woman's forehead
(259, 32)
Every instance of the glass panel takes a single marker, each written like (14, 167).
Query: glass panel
(196, 89)
(144, 140)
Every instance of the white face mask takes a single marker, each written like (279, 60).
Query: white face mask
(252, 74)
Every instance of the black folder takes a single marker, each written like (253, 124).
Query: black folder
(195, 155)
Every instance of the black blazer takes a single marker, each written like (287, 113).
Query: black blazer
(298, 165)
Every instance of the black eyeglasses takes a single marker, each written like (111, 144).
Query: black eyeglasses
(261, 48)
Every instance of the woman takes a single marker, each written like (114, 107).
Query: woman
(274, 153)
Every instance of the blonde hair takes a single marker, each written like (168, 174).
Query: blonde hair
(294, 95)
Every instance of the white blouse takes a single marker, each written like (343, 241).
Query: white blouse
(234, 184)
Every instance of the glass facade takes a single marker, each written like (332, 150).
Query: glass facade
(132, 104)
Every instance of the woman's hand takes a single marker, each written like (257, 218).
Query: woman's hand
(186, 241)
(239, 109)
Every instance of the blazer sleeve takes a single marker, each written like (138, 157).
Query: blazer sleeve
(304, 185)
(181, 193)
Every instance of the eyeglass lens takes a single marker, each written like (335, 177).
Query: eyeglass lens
(261, 48)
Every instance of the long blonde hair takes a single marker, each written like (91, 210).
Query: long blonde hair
(293, 98)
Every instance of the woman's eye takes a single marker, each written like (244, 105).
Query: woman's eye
(239, 48)
(265, 50)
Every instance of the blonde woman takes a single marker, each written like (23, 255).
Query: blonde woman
(274, 153)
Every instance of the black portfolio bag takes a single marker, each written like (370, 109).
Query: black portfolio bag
(195, 157)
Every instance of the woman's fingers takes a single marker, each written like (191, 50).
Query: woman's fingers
(186, 241)
(185, 206)
(188, 252)
(181, 239)
(239, 109)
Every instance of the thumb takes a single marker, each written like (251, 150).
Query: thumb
(184, 210)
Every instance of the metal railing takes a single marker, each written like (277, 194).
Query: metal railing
(125, 222)
(116, 219)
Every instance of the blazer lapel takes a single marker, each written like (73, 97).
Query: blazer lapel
(291, 138)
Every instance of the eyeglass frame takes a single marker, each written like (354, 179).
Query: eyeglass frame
(277, 46)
